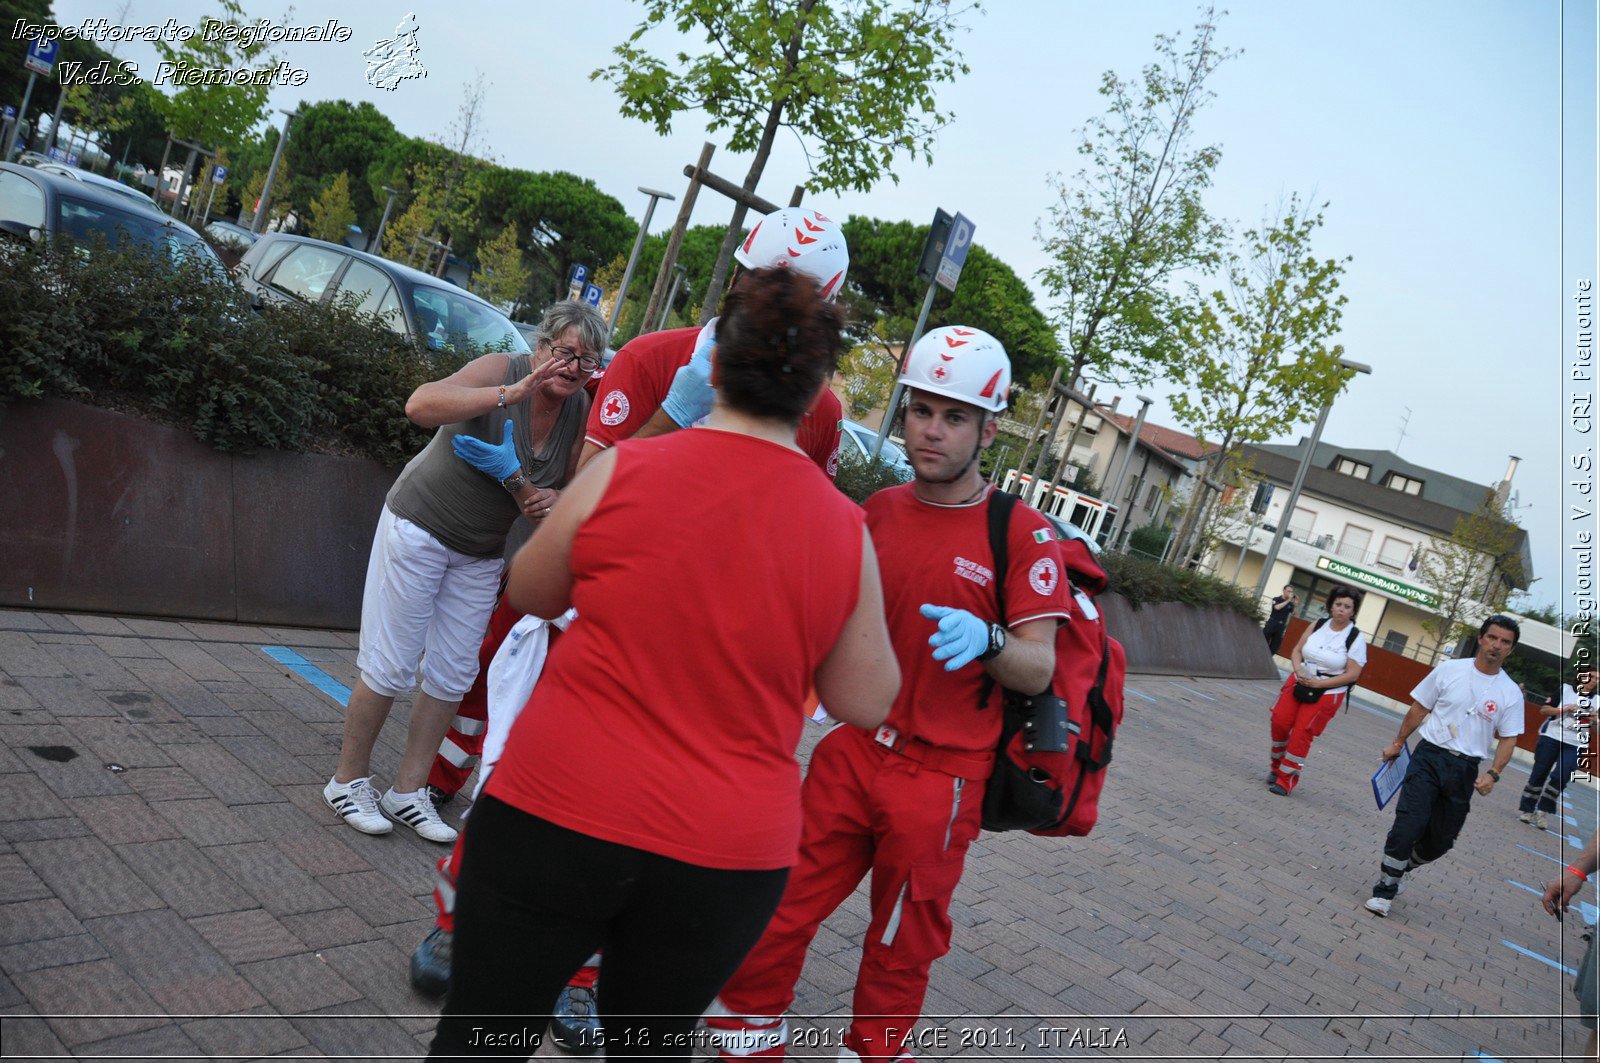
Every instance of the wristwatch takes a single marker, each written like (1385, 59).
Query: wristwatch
(1494, 775)
(515, 482)
(997, 642)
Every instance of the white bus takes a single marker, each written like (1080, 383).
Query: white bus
(1089, 514)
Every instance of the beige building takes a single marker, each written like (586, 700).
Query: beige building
(1364, 518)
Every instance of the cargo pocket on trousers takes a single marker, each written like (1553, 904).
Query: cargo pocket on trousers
(919, 930)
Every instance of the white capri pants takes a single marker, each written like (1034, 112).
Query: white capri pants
(423, 602)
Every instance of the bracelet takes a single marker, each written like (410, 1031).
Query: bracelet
(1493, 774)
(1581, 876)
(502, 403)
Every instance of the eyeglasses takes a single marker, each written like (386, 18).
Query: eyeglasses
(586, 362)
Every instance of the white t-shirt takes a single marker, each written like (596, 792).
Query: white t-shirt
(1325, 651)
(1571, 728)
(1467, 709)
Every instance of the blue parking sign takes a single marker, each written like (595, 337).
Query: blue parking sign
(7, 113)
(578, 275)
(41, 57)
(591, 294)
(955, 253)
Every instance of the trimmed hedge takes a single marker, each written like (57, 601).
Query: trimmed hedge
(1142, 580)
(131, 328)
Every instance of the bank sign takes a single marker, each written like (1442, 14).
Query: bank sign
(1392, 587)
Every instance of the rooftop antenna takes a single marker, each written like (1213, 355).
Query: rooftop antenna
(1404, 421)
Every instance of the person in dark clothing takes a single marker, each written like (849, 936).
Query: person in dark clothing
(1278, 620)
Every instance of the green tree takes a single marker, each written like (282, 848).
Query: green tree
(868, 370)
(502, 276)
(336, 136)
(1473, 572)
(331, 214)
(217, 115)
(884, 295)
(1257, 354)
(1131, 218)
(852, 79)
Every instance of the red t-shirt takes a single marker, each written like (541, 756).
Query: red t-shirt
(637, 381)
(667, 716)
(940, 555)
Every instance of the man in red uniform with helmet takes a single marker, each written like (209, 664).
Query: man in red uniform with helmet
(657, 383)
(904, 802)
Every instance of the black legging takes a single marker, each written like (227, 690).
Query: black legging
(535, 900)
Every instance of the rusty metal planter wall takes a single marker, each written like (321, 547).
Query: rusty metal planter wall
(1170, 638)
(104, 512)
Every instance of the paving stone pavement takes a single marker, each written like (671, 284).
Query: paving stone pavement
(201, 901)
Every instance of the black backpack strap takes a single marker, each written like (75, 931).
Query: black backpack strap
(1350, 639)
(999, 506)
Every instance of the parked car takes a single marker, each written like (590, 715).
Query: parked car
(72, 173)
(229, 240)
(38, 204)
(279, 267)
(860, 439)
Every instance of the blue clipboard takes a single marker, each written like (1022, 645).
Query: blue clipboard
(1387, 779)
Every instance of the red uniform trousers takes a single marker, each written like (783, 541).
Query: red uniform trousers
(463, 743)
(1294, 725)
(866, 808)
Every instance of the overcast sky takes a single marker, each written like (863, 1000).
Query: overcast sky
(1432, 129)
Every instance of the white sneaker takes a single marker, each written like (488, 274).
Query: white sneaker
(1526, 817)
(1540, 822)
(357, 802)
(1378, 905)
(418, 814)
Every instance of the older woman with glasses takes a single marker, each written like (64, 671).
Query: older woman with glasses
(510, 429)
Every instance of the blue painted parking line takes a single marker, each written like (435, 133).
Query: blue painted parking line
(1196, 693)
(1534, 955)
(1484, 1055)
(1146, 697)
(1574, 841)
(1547, 856)
(309, 672)
(1571, 820)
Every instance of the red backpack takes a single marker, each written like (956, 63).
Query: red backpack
(1055, 747)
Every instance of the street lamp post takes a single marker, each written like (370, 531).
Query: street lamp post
(272, 172)
(1299, 482)
(375, 245)
(633, 259)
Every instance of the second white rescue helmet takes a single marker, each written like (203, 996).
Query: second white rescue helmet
(965, 364)
(798, 238)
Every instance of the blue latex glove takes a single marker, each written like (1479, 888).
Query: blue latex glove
(499, 462)
(689, 399)
(960, 638)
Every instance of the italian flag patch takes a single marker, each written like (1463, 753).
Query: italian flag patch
(1042, 535)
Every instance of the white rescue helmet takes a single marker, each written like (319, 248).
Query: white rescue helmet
(798, 238)
(965, 364)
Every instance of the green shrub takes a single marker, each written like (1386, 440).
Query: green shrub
(131, 328)
(860, 477)
(1150, 540)
(1142, 580)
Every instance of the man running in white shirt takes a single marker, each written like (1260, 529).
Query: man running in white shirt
(1463, 710)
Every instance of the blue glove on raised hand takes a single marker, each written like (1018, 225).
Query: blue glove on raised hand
(499, 462)
(689, 398)
(961, 636)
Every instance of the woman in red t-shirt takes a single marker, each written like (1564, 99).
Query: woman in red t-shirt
(648, 799)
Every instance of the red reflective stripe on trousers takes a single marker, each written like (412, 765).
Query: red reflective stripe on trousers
(474, 704)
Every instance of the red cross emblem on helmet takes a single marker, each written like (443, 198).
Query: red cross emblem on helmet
(938, 373)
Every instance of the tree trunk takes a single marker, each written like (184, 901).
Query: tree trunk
(719, 273)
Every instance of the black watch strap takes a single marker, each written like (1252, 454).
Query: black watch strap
(1494, 775)
(997, 642)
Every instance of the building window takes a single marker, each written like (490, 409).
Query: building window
(1150, 499)
(1354, 542)
(1394, 641)
(1395, 553)
(1360, 470)
(1300, 524)
(1403, 484)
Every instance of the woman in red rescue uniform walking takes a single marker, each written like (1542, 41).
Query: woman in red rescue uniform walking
(1328, 658)
(648, 800)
